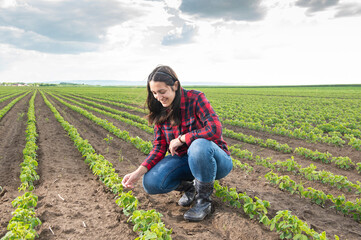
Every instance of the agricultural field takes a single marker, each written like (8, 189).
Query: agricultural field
(64, 151)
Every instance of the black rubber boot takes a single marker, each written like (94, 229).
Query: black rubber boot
(203, 204)
(189, 193)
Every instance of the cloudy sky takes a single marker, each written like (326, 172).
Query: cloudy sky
(244, 42)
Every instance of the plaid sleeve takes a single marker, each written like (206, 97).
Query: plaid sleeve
(212, 128)
(159, 148)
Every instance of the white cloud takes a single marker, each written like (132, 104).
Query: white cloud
(349, 9)
(52, 23)
(181, 35)
(32, 41)
(247, 10)
(316, 5)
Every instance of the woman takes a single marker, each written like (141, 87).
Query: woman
(188, 128)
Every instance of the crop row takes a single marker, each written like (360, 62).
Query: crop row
(309, 114)
(296, 133)
(269, 143)
(8, 96)
(353, 141)
(122, 113)
(284, 223)
(147, 223)
(10, 105)
(5, 91)
(340, 162)
(317, 196)
(292, 117)
(3, 94)
(24, 220)
(243, 166)
(121, 97)
(28, 174)
(323, 120)
(143, 146)
(290, 165)
(11, 93)
(113, 113)
(114, 102)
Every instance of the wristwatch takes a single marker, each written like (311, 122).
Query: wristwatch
(179, 137)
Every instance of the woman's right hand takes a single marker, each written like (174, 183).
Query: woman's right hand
(131, 178)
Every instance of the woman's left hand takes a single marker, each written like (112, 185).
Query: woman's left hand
(173, 145)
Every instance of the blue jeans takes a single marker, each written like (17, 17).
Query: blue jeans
(205, 161)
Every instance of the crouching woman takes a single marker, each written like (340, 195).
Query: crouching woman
(188, 128)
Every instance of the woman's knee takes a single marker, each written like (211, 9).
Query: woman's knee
(151, 184)
(166, 175)
(154, 184)
(200, 148)
(224, 168)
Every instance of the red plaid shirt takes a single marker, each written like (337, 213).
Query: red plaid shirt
(198, 121)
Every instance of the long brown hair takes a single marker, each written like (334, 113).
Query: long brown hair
(157, 113)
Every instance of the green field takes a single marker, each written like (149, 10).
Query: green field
(296, 153)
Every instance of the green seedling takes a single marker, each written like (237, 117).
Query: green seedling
(20, 116)
(128, 202)
(120, 157)
(108, 140)
(358, 168)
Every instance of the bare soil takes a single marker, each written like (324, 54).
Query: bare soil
(87, 203)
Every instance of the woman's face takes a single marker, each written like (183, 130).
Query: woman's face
(162, 92)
